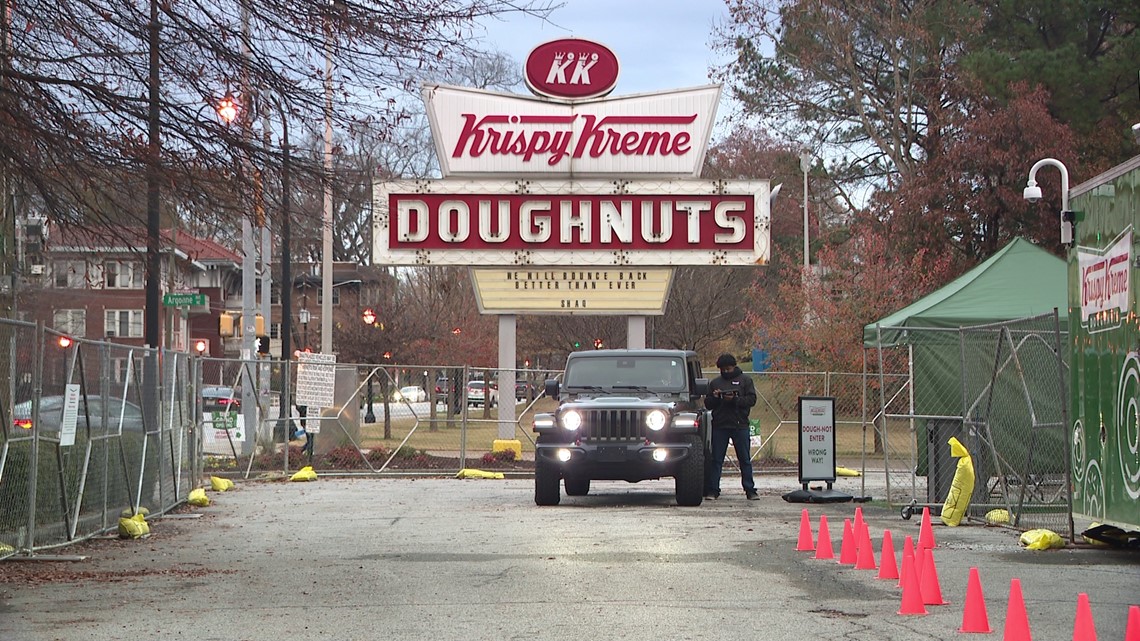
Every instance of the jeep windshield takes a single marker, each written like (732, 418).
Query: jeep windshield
(649, 373)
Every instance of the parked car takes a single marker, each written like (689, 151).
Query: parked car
(524, 391)
(410, 394)
(118, 412)
(221, 399)
(442, 388)
(479, 393)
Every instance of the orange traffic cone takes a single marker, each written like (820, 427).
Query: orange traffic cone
(974, 618)
(865, 556)
(1083, 628)
(857, 527)
(925, 533)
(931, 590)
(847, 547)
(823, 546)
(888, 569)
(1016, 620)
(805, 543)
(1132, 630)
(907, 558)
(911, 593)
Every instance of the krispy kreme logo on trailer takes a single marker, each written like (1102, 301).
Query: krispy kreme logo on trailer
(1105, 282)
(572, 69)
(662, 134)
(598, 222)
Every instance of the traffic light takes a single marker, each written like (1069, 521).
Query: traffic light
(65, 341)
(259, 327)
(598, 343)
(225, 325)
(577, 345)
(201, 346)
(261, 344)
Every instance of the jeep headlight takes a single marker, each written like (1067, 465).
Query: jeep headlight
(656, 420)
(571, 420)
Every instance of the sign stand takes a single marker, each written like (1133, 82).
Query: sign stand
(817, 452)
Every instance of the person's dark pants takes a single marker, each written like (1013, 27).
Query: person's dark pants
(720, 438)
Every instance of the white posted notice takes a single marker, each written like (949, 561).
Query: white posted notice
(817, 438)
(70, 414)
(316, 379)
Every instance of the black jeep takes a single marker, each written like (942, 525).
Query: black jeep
(628, 415)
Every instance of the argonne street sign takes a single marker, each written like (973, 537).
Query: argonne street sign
(183, 299)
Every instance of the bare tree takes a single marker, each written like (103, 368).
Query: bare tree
(75, 76)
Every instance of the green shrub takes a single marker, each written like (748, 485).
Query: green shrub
(502, 456)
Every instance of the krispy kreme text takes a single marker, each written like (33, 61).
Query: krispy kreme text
(581, 222)
(556, 139)
(480, 133)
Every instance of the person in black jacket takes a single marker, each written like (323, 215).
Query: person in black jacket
(731, 396)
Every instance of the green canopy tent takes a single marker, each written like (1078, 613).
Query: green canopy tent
(1020, 280)
(956, 372)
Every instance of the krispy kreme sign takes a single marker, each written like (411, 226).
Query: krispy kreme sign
(531, 222)
(1105, 282)
(661, 134)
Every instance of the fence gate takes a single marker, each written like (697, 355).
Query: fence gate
(1001, 390)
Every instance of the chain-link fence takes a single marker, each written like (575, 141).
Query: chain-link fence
(90, 430)
(131, 450)
(1001, 390)
(395, 419)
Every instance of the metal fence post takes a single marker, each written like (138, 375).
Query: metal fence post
(37, 390)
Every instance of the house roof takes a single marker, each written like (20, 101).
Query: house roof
(134, 239)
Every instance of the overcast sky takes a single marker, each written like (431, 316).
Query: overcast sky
(660, 44)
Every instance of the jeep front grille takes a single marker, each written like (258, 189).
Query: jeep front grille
(613, 425)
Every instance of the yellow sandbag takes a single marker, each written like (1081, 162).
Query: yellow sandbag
(958, 498)
(220, 484)
(846, 471)
(1041, 540)
(467, 473)
(998, 516)
(304, 474)
(133, 527)
(5, 548)
(198, 497)
(128, 512)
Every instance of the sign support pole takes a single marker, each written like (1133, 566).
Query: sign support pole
(635, 332)
(507, 331)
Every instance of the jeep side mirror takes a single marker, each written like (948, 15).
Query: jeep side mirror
(701, 387)
(552, 388)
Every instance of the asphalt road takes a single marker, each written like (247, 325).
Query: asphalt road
(394, 559)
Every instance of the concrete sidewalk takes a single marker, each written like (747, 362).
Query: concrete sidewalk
(385, 559)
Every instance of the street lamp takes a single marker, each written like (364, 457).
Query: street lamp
(805, 166)
(229, 110)
(1032, 193)
(369, 318)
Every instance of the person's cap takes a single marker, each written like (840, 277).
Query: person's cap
(726, 360)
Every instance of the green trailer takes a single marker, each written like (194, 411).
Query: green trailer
(1104, 332)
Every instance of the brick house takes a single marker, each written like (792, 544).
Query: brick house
(92, 285)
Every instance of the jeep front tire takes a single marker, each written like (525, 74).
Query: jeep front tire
(546, 486)
(690, 475)
(577, 486)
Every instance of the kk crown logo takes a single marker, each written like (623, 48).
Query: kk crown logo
(571, 68)
(579, 69)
